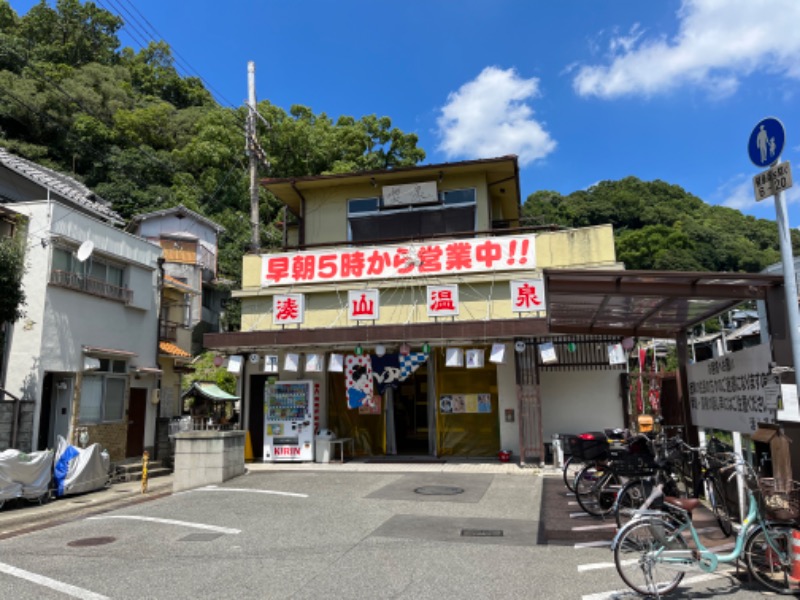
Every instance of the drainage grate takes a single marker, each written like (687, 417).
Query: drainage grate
(95, 541)
(481, 533)
(439, 490)
(200, 537)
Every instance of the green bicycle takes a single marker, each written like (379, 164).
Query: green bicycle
(652, 555)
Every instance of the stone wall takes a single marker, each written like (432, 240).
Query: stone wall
(25, 431)
(111, 436)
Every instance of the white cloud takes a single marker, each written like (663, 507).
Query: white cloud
(738, 193)
(718, 43)
(490, 116)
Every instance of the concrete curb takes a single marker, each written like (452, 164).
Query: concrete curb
(18, 517)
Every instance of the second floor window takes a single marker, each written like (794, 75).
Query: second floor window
(94, 276)
(368, 221)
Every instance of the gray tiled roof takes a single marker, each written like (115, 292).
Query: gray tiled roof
(176, 210)
(65, 186)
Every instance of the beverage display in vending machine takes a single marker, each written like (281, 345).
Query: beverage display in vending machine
(289, 421)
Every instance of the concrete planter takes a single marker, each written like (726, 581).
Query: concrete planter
(207, 457)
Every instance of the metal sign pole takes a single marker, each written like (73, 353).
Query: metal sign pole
(789, 280)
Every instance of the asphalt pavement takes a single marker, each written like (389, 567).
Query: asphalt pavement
(360, 529)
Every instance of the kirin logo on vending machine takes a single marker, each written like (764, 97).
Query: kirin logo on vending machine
(287, 451)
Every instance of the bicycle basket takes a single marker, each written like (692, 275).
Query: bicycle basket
(633, 465)
(781, 502)
(589, 446)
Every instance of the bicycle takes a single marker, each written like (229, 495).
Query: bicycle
(672, 472)
(666, 476)
(651, 553)
(572, 466)
(711, 466)
(598, 485)
(587, 448)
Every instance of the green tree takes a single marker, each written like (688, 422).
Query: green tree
(660, 226)
(12, 269)
(205, 370)
(71, 33)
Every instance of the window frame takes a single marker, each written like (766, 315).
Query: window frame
(442, 205)
(111, 370)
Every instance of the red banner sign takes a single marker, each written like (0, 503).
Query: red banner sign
(453, 257)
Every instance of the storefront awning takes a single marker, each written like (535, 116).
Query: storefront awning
(645, 303)
(209, 391)
(113, 352)
(343, 337)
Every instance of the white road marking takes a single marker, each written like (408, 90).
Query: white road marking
(593, 527)
(597, 544)
(58, 586)
(578, 515)
(170, 522)
(214, 488)
(627, 591)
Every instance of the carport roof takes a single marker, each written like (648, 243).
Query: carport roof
(644, 303)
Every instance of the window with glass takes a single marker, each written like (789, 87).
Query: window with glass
(95, 275)
(103, 393)
(368, 220)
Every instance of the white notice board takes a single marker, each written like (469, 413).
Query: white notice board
(732, 392)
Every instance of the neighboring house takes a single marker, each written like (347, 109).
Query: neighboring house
(741, 329)
(190, 243)
(84, 355)
(425, 267)
(192, 297)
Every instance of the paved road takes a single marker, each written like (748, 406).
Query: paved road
(328, 533)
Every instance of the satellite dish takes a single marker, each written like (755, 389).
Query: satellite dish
(85, 250)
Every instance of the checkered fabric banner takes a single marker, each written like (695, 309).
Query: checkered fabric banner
(410, 363)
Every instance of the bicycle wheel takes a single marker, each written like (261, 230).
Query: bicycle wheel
(633, 556)
(630, 497)
(770, 568)
(572, 467)
(596, 488)
(719, 506)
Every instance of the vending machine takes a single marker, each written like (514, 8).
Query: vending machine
(289, 421)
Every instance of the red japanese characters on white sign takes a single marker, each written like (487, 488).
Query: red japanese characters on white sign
(442, 300)
(363, 305)
(454, 257)
(288, 309)
(527, 295)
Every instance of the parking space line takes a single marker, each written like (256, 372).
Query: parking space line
(58, 586)
(595, 527)
(627, 591)
(597, 544)
(214, 488)
(169, 522)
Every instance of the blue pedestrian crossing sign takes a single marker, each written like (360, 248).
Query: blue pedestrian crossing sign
(766, 142)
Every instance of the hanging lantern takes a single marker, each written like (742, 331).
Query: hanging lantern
(359, 350)
(571, 347)
(405, 349)
(426, 348)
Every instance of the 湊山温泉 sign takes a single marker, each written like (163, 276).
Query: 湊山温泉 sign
(734, 392)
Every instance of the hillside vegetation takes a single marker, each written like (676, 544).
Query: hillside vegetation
(661, 226)
(145, 137)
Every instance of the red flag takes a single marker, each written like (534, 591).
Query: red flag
(639, 399)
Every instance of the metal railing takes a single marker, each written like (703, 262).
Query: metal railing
(96, 287)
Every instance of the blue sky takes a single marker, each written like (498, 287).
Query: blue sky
(581, 90)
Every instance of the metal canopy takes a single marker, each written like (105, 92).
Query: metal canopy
(645, 303)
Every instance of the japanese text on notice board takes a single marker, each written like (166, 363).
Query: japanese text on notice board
(733, 392)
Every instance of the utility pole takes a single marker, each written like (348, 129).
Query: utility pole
(252, 147)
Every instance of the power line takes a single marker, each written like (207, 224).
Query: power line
(150, 31)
